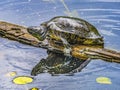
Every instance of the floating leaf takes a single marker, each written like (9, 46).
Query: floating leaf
(22, 80)
(35, 88)
(11, 74)
(103, 80)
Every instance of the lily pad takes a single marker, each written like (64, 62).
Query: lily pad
(23, 80)
(103, 80)
(35, 88)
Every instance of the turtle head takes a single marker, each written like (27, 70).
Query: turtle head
(37, 31)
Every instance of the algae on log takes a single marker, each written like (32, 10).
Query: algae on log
(17, 33)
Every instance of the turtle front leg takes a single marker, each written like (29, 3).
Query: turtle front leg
(67, 48)
(61, 46)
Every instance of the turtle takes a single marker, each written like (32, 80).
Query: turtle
(67, 31)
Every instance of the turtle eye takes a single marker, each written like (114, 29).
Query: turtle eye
(42, 31)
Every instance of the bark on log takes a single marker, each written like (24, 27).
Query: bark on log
(17, 33)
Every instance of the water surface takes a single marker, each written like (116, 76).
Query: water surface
(104, 15)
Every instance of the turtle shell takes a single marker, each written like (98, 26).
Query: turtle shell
(73, 30)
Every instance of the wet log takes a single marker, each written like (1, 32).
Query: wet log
(19, 33)
(92, 52)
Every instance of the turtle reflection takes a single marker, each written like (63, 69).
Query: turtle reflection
(58, 63)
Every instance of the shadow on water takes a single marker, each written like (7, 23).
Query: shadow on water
(58, 63)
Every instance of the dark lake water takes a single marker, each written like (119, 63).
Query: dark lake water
(103, 14)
